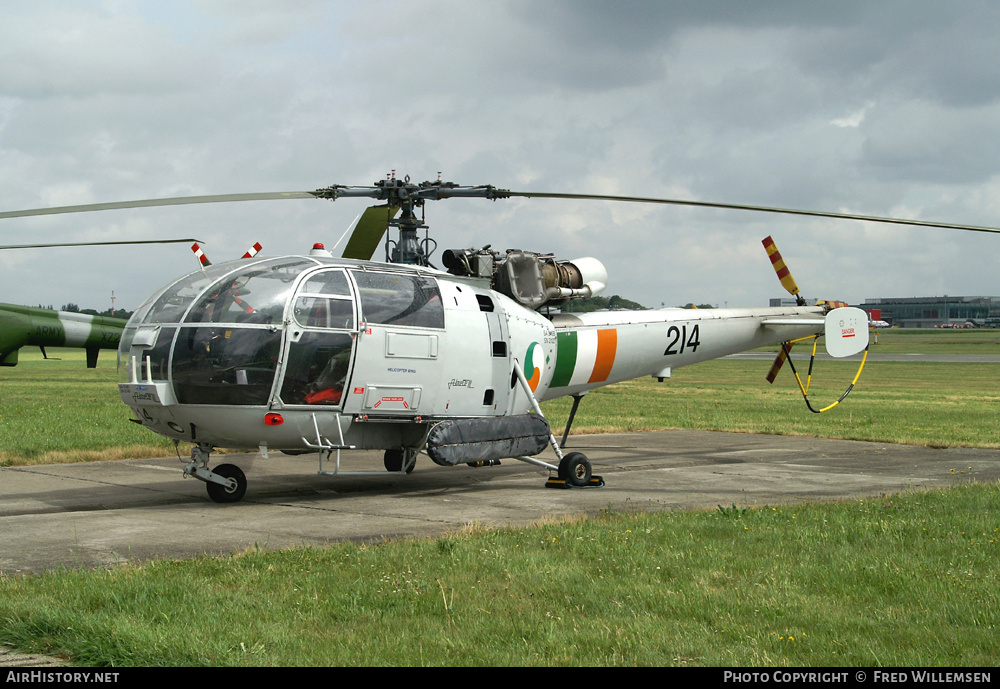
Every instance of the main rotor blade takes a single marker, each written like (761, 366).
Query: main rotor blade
(338, 191)
(137, 241)
(369, 231)
(760, 209)
(175, 201)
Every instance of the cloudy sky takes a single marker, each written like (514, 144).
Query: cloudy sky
(879, 108)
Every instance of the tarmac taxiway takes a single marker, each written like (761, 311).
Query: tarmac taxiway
(101, 514)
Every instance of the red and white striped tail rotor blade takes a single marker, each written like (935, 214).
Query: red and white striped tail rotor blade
(243, 305)
(202, 258)
(252, 251)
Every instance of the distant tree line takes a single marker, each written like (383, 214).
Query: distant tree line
(601, 304)
(614, 303)
(112, 313)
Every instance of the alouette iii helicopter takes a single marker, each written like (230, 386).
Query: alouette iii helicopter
(317, 353)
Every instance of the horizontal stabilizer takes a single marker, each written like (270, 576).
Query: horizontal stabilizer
(792, 320)
(846, 332)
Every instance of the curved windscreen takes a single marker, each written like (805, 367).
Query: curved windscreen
(256, 294)
(229, 345)
(172, 301)
(225, 364)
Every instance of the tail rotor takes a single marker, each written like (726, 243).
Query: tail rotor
(784, 275)
(788, 282)
(845, 329)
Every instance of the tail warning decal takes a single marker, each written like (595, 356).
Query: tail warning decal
(584, 356)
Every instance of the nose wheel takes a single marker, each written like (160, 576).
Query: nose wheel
(227, 483)
(234, 487)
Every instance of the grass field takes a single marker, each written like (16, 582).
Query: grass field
(58, 410)
(906, 580)
(936, 341)
(897, 581)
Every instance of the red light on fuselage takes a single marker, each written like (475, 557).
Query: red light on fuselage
(319, 250)
(272, 419)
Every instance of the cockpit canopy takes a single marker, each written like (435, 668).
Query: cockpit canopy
(219, 335)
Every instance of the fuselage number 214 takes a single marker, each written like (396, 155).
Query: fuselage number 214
(678, 339)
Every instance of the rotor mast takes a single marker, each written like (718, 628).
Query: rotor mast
(408, 196)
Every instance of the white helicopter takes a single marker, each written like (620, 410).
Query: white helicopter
(316, 353)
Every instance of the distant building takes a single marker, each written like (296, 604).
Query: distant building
(925, 312)
(788, 301)
(931, 312)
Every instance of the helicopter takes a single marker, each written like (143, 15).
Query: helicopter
(22, 326)
(316, 353)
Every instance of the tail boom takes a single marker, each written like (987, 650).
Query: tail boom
(597, 349)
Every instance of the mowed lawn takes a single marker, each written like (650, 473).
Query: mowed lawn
(906, 580)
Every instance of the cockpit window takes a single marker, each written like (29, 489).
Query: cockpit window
(326, 282)
(323, 312)
(392, 299)
(324, 301)
(225, 365)
(169, 306)
(256, 294)
(317, 369)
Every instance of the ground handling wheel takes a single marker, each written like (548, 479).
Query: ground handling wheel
(220, 493)
(395, 459)
(575, 472)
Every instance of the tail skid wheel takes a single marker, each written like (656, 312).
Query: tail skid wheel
(220, 493)
(575, 469)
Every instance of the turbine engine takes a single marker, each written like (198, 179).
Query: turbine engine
(531, 279)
